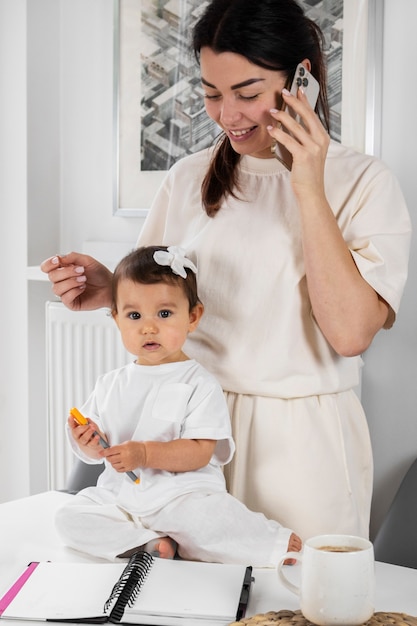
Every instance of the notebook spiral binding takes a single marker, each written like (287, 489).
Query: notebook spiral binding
(127, 588)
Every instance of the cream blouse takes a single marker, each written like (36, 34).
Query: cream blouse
(258, 335)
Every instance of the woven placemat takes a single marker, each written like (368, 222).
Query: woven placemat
(295, 618)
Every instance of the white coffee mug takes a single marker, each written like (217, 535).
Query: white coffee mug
(337, 580)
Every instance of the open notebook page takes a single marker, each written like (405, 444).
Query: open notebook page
(65, 591)
(188, 590)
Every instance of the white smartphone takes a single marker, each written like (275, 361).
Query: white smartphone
(302, 78)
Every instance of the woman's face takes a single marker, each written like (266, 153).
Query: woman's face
(238, 97)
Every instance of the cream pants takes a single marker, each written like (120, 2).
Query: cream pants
(306, 462)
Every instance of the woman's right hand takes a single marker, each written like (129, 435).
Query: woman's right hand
(80, 281)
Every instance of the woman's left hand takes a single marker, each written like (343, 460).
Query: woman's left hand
(347, 309)
(308, 143)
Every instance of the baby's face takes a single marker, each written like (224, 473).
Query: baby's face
(154, 321)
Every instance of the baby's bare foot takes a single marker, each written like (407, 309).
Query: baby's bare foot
(167, 548)
(163, 547)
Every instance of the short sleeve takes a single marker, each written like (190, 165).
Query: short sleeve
(208, 418)
(372, 214)
(381, 251)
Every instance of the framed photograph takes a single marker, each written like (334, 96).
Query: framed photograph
(159, 114)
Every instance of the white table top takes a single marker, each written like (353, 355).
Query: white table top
(27, 534)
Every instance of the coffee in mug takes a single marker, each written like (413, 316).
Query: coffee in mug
(337, 580)
(339, 548)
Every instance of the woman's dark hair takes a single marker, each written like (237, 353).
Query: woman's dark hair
(274, 34)
(139, 266)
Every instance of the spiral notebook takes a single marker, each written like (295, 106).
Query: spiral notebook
(147, 590)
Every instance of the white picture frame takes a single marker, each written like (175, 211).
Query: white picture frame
(362, 74)
(134, 189)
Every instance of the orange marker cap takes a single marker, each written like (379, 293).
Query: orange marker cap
(78, 416)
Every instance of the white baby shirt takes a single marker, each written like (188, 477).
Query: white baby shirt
(160, 403)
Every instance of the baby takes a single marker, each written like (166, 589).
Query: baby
(165, 419)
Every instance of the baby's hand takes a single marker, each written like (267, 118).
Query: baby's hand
(127, 456)
(85, 435)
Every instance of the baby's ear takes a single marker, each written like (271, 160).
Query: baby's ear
(115, 316)
(196, 314)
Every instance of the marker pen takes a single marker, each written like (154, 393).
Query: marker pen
(79, 417)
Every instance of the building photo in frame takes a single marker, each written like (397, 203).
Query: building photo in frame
(159, 114)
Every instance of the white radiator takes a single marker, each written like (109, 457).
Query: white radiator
(79, 347)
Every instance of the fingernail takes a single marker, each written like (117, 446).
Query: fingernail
(81, 279)
(273, 110)
(286, 92)
(79, 269)
(55, 260)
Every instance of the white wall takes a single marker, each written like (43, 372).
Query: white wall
(389, 389)
(69, 179)
(86, 127)
(14, 440)
(56, 176)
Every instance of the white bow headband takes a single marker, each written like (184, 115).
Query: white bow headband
(176, 259)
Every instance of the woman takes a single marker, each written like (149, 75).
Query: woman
(298, 270)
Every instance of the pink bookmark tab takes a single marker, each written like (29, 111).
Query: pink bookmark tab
(16, 587)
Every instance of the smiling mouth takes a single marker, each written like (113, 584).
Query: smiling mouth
(241, 133)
